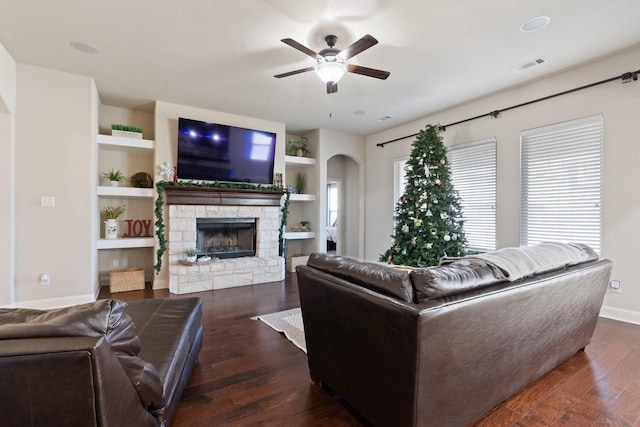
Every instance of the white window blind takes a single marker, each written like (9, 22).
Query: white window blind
(399, 178)
(473, 173)
(562, 183)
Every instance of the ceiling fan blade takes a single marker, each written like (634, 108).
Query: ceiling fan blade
(370, 72)
(332, 87)
(291, 73)
(294, 44)
(358, 46)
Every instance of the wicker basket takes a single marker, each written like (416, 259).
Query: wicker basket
(128, 279)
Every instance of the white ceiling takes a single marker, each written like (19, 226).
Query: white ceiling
(222, 54)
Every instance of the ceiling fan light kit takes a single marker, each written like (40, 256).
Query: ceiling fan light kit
(330, 71)
(332, 63)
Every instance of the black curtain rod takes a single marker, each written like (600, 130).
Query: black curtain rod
(626, 77)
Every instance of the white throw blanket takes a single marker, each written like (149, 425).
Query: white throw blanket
(515, 263)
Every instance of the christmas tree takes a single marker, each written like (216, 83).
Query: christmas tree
(428, 215)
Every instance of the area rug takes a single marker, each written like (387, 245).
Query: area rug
(289, 322)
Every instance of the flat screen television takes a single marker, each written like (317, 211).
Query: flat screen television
(217, 152)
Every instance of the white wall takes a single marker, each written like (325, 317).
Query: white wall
(619, 103)
(56, 124)
(7, 177)
(166, 136)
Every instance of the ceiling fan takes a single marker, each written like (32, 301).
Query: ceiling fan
(332, 62)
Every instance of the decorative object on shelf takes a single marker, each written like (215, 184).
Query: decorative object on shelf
(168, 171)
(292, 189)
(111, 224)
(138, 228)
(115, 176)
(203, 260)
(126, 131)
(302, 228)
(141, 180)
(192, 254)
(298, 147)
(159, 210)
(128, 279)
(301, 181)
(277, 180)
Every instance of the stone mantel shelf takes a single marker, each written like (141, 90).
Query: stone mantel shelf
(179, 195)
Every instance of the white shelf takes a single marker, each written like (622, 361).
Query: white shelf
(298, 235)
(125, 144)
(106, 191)
(295, 160)
(133, 242)
(302, 197)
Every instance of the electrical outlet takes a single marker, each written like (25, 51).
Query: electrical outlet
(115, 263)
(616, 286)
(125, 262)
(47, 201)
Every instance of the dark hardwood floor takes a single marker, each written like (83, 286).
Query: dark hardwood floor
(250, 375)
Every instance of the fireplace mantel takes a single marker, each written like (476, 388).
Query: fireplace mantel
(178, 195)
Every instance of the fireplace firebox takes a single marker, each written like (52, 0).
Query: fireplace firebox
(226, 237)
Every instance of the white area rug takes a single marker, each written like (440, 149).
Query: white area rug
(289, 322)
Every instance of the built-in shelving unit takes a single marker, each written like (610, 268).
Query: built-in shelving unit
(302, 197)
(131, 145)
(124, 243)
(121, 151)
(130, 155)
(298, 235)
(125, 192)
(301, 205)
(297, 160)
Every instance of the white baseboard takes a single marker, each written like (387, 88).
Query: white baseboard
(629, 316)
(45, 304)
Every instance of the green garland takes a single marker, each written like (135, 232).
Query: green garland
(159, 209)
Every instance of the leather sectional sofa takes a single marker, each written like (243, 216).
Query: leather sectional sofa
(442, 346)
(107, 363)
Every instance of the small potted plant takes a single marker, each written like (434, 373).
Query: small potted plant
(192, 254)
(301, 181)
(115, 176)
(298, 147)
(111, 224)
(126, 131)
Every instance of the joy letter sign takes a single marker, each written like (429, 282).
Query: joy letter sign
(138, 228)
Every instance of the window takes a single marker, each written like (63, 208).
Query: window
(473, 173)
(399, 178)
(332, 203)
(562, 183)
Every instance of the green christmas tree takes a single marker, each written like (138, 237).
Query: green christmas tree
(428, 215)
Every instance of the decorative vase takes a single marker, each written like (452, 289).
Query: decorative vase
(192, 258)
(126, 134)
(115, 183)
(299, 152)
(111, 229)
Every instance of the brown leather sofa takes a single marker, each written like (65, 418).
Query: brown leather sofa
(442, 346)
(107, 363)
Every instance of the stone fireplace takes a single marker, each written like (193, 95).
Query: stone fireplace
(231, 222)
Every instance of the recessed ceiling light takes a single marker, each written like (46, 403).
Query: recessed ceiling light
(534, 24)
(384, 118)
(359, 112)
(83, 47)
